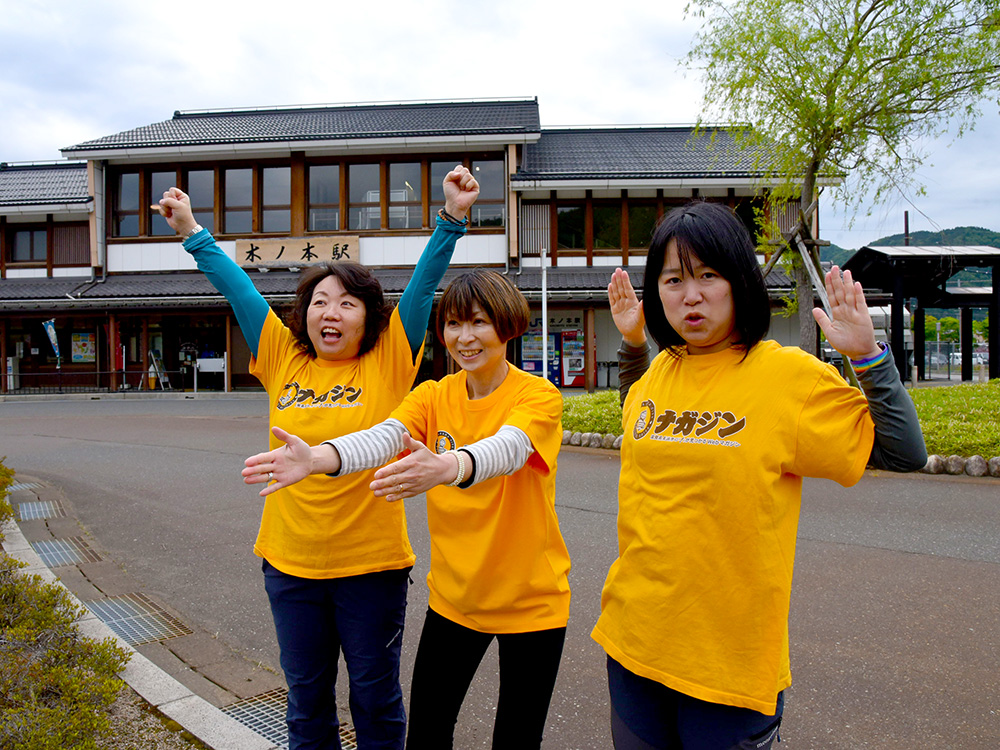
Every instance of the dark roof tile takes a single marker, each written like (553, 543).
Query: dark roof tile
(328, 123)
(623, 153)
(37, 184)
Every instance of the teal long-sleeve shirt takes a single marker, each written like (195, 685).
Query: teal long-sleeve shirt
(251, 308)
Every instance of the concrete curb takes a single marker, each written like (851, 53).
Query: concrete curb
(196, 715)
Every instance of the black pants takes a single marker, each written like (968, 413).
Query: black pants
(447, 659)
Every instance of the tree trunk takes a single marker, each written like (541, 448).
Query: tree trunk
(804, 293)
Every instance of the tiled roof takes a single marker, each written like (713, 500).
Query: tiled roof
(36, 184)
(328, 123)
(137, 290)
(634, 153)
(37, 289)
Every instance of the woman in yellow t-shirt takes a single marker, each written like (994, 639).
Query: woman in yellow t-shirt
(336, 564)
(719, 430)
(483, 445)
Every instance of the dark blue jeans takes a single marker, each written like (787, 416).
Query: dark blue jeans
(315, 619)
(646, 715)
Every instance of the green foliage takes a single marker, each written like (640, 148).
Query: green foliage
(6, 479)
(55, 685)
(593, 412)
(949, 329)
(962, 420)
(856, 88)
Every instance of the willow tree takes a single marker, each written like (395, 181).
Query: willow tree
(849, 89)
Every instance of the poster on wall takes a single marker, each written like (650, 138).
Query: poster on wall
(84, 347)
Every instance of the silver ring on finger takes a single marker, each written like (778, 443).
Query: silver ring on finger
(270, 476)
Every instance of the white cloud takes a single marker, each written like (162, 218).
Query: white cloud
(74, 72)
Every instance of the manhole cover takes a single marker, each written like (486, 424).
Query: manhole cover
(56, 552)
(136, 619)
(265, 714)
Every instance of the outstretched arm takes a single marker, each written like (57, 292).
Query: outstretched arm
(229, 279)
(290, 463)
(899, 441)
(461, 191)
(503, 453)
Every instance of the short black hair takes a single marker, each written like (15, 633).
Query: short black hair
(506, 307)
(713, 234)
(357, 281)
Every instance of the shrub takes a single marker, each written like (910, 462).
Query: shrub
(593, 412)
(55, 685)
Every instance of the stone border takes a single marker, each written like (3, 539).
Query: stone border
(973, 466)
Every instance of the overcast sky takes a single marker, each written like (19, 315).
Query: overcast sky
(71, 72)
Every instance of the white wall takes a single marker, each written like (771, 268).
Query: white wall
(158, 256)
(485, 249)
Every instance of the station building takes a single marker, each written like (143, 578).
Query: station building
(84, 261)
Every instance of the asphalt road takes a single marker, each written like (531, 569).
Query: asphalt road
(895, 624)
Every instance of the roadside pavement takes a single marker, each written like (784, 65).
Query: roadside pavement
(226, 701)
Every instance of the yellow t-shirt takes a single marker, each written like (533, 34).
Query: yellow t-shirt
(325, 527)
(709, 496)
(498, 560)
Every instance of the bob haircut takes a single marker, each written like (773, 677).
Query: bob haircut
(713, 234)
(357, 281)
(506, 306)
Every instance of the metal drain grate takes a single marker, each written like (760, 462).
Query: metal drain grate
(136, 619)
(56, 552)
(265, 714)
(40, 509)
(24, 486)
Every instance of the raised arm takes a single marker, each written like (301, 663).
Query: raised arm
(630, 320)
(228, 278)
(899, 441)
(460, 191)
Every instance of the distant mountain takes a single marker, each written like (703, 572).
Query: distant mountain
(835, 254)
(956, 236)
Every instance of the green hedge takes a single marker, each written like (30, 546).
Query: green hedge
(55, 685)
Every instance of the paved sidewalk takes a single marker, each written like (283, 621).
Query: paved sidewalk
(220, 697)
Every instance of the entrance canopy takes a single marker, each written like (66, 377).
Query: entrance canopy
(922, 272)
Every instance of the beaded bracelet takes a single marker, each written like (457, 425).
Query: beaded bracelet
(461, 468)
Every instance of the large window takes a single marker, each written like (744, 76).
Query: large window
(159, 183)
(490, 209)
(276, 204)
(240, 198)
(201, 190)
(238, 193)
(607, 227)
(365, 211)
(404, 196)
(570, 225)
(641, 223)
(28, 246)
(324, 198)
(125, 215)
